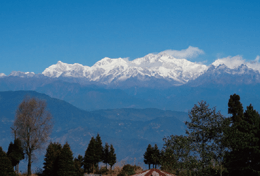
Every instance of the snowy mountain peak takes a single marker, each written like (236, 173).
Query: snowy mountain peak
(108, 62)
(2, 75)
(107, 70)
(56, 70)
(237, 62)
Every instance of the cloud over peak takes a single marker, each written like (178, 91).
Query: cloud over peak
(236, 61)
(189, 53)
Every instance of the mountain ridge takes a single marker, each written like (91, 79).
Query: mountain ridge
(153, 70)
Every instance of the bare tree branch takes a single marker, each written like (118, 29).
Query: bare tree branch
(34, 125)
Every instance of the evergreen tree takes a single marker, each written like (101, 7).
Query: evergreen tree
(148, 155)
(66, 166)
(51, 159)
(202, 130)
(90, 158)
(15, 153)
(99, 149)
(235, 108)
(106, 154)
(155, 156)
(112, 156)
(78, 165)
(6, 168)
(242, 134)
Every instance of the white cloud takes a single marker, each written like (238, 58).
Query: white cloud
(190, 52)
(230, 62)
(236, 61)
(255, 65)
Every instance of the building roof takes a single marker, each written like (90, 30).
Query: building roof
(153, 172)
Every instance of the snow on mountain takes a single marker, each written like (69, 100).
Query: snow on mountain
(22, 74)
(2, 75)
(223, 74)
(236, 62)
(222, 68)
(66, 70)
(162, 69)
(110, 70)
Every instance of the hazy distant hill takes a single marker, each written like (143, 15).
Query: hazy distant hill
(179, 98)
(140, 114)
(130, 138)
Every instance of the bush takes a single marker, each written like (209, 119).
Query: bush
(128, 170)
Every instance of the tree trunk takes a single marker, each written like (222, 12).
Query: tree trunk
(149, 166)
(29, 165)
(221, 170)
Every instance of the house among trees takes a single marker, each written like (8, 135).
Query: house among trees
(153, 172)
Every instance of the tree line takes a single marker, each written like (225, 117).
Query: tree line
(32, 127)
(214, 144)
(59, 160)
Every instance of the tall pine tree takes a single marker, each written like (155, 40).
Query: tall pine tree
(242, 136)
(99, 149)
(90, 158)
(79, 162)
(106, 154)
(112, 156)
(148, 155)
(155, 156)
(50, 164)
(66, 166)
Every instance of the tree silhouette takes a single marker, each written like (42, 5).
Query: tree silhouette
(99, 149)
(155, 156)
(106, 154)
(50, 164)
(66, 166)
(78, 165)
(15, 153)
(90, 158)
(112, 156)
(243, 136)
(148, 155)
(6, 167)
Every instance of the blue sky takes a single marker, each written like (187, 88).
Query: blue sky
(36, 34)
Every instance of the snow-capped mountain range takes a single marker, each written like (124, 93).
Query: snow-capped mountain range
(151, 67)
